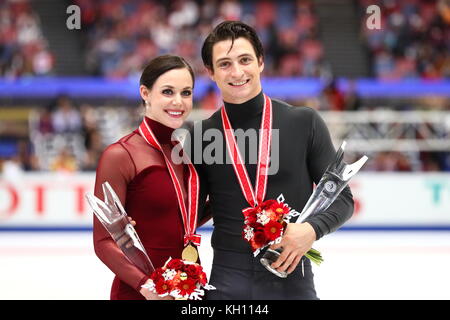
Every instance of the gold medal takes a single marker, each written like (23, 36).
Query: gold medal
(190, 253)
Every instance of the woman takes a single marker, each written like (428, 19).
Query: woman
(138, 173)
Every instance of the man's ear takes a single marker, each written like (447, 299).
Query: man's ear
(210, 73)
(261, 64)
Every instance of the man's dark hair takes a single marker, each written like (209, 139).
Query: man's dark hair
(230, 30)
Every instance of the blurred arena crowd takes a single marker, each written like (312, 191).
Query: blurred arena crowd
(121, 36)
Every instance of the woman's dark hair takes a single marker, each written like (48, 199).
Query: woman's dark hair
(230, 30)
(160, 65)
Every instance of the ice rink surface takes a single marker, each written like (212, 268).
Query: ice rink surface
(358, 265)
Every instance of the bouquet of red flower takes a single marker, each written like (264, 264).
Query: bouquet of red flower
(179, 278)
(265, 224)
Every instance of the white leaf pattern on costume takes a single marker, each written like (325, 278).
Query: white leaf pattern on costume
(248, 231)
(263, 218)
(169, 274)
(197, 294)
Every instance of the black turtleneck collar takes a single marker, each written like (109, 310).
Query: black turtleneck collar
(161, 132)
(245, 111)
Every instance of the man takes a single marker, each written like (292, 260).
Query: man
(233, 56)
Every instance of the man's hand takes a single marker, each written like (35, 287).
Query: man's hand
(296, 241)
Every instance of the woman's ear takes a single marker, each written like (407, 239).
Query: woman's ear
(145, 92)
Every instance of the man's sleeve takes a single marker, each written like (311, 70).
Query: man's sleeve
(320, 153)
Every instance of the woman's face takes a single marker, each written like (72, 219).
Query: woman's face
(169, 101)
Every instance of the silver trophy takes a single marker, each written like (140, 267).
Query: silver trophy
(333, 181)
(112, 215)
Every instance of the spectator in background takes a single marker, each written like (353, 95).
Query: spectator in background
(94, 147)
(42, 61)
(391, 161)
(92, 139)
(412, 41)
(66, 118)
(330, 99)
(122, 37)
(11, 169)
(26, 155)
(45, 122)
(23, 48)
(352, 99)
(333, 98)
(64, 162)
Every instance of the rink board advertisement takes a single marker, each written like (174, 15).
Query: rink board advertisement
(44, 201)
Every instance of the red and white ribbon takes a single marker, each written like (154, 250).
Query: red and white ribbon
(190, 213)
(253, 196)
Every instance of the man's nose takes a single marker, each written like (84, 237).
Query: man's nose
(237, 71)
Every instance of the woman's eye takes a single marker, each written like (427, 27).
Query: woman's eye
(186, 93)
(167, 91)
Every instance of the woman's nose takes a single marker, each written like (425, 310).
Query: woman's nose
(176, 100)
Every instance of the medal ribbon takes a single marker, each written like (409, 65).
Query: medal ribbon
(189, 214)
(265, 137)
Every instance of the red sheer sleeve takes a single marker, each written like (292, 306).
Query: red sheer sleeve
(116, 167)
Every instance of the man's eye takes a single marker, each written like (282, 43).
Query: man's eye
(167, 91)
(246, 60)
(224, 64)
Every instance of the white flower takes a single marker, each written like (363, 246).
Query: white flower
(169, 274)
(263, 218)
(248, 233)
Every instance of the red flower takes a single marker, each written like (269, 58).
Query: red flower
(259, 238)
(272, 230)
(250, 214)
(162, 287)
(157, 274)
(267, 204)
(280, 209)
(202, 278)
(193, 271)
(175, 264)
(186, 286)
(256, 226)
(251, 219)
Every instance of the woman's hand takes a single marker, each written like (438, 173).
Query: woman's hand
(153, 296)
(144, 291)
(133, 223)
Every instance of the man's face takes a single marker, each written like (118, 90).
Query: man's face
(236, 71)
